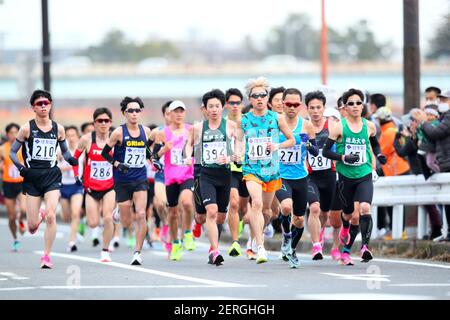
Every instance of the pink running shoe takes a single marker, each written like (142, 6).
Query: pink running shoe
(346, 260)
(317, 252)
(197, 229)
(335, 254)
(321, 239)
(164, 234)
(215, 257)
(46, 263)
(42, 215)
(344, 236)
(168, 247)
(366, 255)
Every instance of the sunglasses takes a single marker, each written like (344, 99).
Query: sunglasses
(234, 103)
(295, 105)
(42, 103)
(132, 110)
(258, 95)
(106, 121)
(352, 103)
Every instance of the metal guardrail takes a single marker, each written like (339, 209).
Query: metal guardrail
(399, 191)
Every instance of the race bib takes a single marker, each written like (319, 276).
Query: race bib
(356, 149)
(319, 163)
(176, 157)
(13, 172)
(44, 149)
(213, 150)
(135, 157)
(291, 156)
(101, 170)
(257, 149)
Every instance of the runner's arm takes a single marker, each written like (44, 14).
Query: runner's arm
(311, 145)
(335, 133)
(290, 140)
(375, 145)
(22, 135)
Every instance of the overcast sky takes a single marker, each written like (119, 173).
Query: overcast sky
(79, 23)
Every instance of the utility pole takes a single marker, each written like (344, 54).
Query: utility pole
(46, 55)
(411, 55)
(324, 48)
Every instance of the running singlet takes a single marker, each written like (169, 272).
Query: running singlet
(354, 143)
(40, 147)
(320, 163)
(214, 144)
(175, 170)
(10, 172)
(292, 160)
(132, 152)
(258, 131)
(98, 171)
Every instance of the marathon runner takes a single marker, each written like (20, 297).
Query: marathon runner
(261, 173)
(130, 176)
(354, 136)
(42, 177)
(12, 186)
(294, 190)
(99, 181)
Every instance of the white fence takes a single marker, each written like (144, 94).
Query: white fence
(414, 191)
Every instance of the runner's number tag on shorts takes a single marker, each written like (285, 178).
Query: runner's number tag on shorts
(257, 149)
(135, 157)
(44, 149)
(101, 170)
(176, 157)
(213, 150)
(319, 163)
(356, 149)
(291, 155)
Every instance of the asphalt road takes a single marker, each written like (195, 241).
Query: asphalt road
(82, 276)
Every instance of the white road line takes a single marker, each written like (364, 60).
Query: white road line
(174, 286)
(13, 276)
(361, 296)
(199, 298)
(362, 277)
(420, 285)
(154, 272)
(17, 289)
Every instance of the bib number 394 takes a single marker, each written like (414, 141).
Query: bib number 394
(135, 157)
(213, 150)
(44, 149)
(257, 149)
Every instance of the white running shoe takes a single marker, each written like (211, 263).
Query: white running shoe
(261, 256)
(105, 256)
(269, 231)
(116, 215)
(137, 259)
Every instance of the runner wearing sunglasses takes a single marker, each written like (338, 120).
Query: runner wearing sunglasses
(40, 138)
(98, 178)
(354, 136)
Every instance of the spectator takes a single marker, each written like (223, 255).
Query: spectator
(431, 95)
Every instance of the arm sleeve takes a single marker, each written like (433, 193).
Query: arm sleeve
(65, 150)
(327, 151)
(105, 154)
(313, 149)
(156, 149)
(375, 145)
(15, 147)
(148, 152)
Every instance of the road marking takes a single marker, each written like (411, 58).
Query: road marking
(363, 277)
(155, 272)
(18, 289)
(361, 296)
(13, 276)
(3, 279)
(420, 285)
(109, 287)
(199, 298)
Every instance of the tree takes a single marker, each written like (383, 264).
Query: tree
(440, 43)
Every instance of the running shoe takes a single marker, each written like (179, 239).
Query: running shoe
(116, 215)
(72, 247)
(168, 247)
(344, 236)
(366, 255)
(250, 254)
(131, 242)
(286, 246)
(137, 259)
(317, 252)
(22, 228)
(294, 263)
(241, 228)
(346, 260)
(42, 215)
(254, 245)
(156, 233)
(95, 242)
(321, 239)
(261, 256)
(81, 227)
(46, 263)
(15, 246)
(116, 242)
(235, 249)
(215, 257)
(196, 229)
(269, 231)
(189, 243)
(105, 256)
(176, 252)
(335, 254)
(164, 235)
